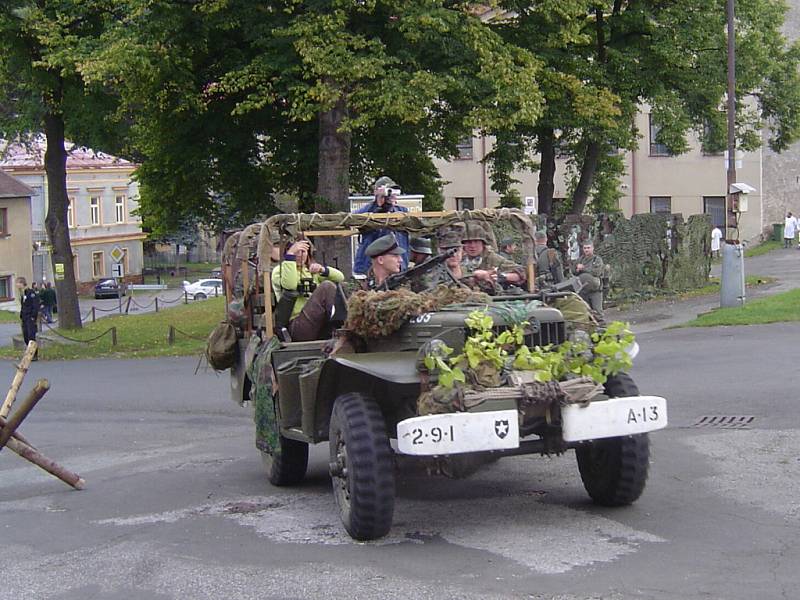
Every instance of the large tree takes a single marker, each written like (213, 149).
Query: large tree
(42, 91)
(670, 56)
(237, 97)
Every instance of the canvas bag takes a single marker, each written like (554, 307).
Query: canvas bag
(222, 346)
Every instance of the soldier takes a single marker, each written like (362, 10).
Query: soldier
(549, 269)
(314, 287)
(507, 248)
(421, 250)
(589, 269)
(451, 271)
(485, 265)
(387, 259)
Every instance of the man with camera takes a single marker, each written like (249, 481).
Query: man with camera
(386, 195)
(307, 289)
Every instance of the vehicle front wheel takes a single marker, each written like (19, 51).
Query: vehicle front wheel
(614, 470)
(288, 463)
(362, 467)
(200, 296)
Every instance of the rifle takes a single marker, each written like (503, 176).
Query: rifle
(398, 279)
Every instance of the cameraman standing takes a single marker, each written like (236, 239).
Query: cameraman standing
(386, 194)
(311, 286)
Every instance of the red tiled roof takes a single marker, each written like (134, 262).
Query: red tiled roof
(11, 187)
(30, 155)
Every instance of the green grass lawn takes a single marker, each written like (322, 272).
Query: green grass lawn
(139, 336)
(9, 316)
(713, 285)
(773, 309)
(762, 248)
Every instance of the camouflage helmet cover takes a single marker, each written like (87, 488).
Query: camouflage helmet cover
(475, 231)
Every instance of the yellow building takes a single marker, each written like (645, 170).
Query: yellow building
(16, 240)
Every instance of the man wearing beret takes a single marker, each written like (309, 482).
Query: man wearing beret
(386, 256)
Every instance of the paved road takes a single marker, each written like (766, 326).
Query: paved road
(177, 505)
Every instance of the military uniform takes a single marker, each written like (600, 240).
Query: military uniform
(386, 244)
(591, 278)
(548, 264)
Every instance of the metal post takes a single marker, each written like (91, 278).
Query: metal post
(731, 172)
(113, 336)
(171, 335)
(156, 303)
(185, 297)
(128, 307)
(94, 315)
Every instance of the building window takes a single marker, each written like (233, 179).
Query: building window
(6, 287)
(119, 208)
(465, 203)
(4, 222)
(715, 207)
(464, 148)
(661, 204)
(94, 210)
(98, 265)
(71, 212)
(656, 148)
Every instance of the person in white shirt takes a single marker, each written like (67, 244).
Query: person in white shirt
(716, 240)
(789, 230)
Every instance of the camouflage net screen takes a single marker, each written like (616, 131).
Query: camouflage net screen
(373, 314)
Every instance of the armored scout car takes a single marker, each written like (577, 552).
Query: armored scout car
(370, 396)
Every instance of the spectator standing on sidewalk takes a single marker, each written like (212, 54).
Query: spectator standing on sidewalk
(48, 299)
(789, 230)
(29, 313)
(716, 241)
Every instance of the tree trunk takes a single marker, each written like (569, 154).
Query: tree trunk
(333, 183)
(547, 171)
(55, 164)
(588, 169)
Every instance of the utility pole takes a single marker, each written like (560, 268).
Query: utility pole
(732, 289)
(730, 217)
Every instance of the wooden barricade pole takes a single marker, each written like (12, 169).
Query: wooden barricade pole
(22, 369)
(16, 435)
(40, 460)
(39, 390)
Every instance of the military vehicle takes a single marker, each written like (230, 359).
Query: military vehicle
(363, 399)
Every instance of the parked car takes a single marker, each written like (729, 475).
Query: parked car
(203, 288)
(108, 288)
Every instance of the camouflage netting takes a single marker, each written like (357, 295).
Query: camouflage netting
(289, 227)
(373, 314)
(656, 252)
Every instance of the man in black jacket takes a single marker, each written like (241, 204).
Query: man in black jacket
(29, 312)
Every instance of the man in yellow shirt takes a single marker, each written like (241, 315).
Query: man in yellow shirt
(314, 288)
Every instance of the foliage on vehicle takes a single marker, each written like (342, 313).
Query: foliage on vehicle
(487, 354)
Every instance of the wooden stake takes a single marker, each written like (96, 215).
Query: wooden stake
(39, 390)
(41, 461)
(16, 435)
(22, 369)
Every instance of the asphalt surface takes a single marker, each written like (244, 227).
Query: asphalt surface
(177, 504)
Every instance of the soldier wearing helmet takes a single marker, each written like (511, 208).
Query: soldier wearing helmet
(386, 194)
(486, 266)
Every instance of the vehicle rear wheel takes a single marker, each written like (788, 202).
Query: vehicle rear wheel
(362, 467)
(288, 463)
(200, 296)
(614, 470)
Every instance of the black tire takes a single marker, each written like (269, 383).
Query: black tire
(200, 296)
(614, 470)
(287, 465)
(362, 467)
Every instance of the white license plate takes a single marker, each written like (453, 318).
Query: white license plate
(456, 433)
(613, 417)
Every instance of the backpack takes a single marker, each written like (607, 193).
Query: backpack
(222, 348)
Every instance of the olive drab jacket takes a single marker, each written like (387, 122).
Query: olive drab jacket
(485, 262)
(593, 271)
(548, 264)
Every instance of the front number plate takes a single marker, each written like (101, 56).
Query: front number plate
(456, 433)
(613, 417)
